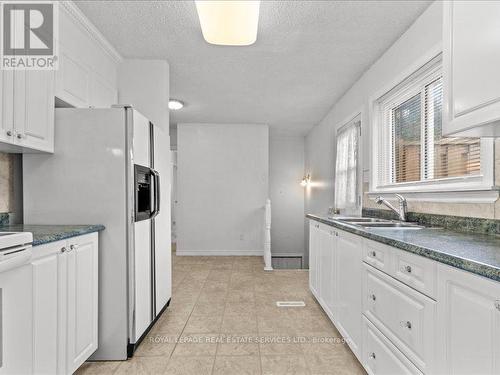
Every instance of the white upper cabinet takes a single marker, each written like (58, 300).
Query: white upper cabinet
(87, 74)
(471, 57)
(27, 111)
(6, 105)
(34, 109)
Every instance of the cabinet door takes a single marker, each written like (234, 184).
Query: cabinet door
(34, 109)
(471, 53)
(468, 323)
(327, 270)
(72, 80)
(314, 235)
(7, 106)
(81, 300)
(405, 316)
(349, 272)
(15, 321)
(102, 93)
(45, 313)
(380, 356)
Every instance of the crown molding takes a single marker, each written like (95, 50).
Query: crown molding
(77, 15)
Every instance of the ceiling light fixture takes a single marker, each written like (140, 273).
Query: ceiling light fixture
(229, 23)
(175, 104)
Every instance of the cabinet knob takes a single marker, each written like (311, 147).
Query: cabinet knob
(9, 133)
(19, 136)
(63, 250)
(406, 269)
(373, 254)
(373, 356)
(497, 304)
(336, 234)
(74, 247)
(373, 297)
(406, 324)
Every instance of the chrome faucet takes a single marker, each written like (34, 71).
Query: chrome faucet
(403, 206)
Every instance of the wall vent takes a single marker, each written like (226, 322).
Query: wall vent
(290, 304)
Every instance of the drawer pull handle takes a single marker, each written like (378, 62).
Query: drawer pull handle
(373, 297)
(406, 324)
(373, 356)
(497, 304)
(373, 254)
(406, 269)
(74, 247)
(63, 250)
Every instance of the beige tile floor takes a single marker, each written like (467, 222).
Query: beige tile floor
(223, 319)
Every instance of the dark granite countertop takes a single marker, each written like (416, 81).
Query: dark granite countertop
(43, 234)
(476, 253)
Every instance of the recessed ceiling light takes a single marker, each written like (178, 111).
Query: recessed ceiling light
(175, 104)
(229, 23)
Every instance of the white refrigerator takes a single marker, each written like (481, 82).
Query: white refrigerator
(111, 167)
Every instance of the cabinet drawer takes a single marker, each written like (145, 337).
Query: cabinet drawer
(415, 271)
(380, 356)
(402, 314)
(376, 254)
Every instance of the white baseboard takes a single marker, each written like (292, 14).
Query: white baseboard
(219, 252)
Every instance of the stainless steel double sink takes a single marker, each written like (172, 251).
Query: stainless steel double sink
(368, 223)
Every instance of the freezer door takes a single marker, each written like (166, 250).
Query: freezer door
(163, 263)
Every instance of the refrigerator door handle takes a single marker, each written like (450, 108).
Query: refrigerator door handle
(156, 209)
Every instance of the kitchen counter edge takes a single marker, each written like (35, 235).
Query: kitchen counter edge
(467, 264)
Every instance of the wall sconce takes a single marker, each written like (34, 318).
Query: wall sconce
(306, 180)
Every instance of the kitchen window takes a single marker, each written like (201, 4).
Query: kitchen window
(409, 152)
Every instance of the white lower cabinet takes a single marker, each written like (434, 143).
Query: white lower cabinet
(402, 313)
(64, 304)
(335, 259)
(45, 267)
(349, 250)
(468, 323)
(15, 321)
(314, 250)
(327, 271)
(382, 357)
(81, 302)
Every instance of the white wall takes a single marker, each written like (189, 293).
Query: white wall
(421, 37)
(222, 185)
(286, 169)
(417, 41)
(145, 85)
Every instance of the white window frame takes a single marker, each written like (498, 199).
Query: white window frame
(477, 188)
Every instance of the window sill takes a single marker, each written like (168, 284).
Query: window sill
(450, 196)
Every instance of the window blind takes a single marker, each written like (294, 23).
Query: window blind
(407, 140)
(446, 156)
(417, 150)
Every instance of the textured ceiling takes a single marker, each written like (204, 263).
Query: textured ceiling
(307, 54)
